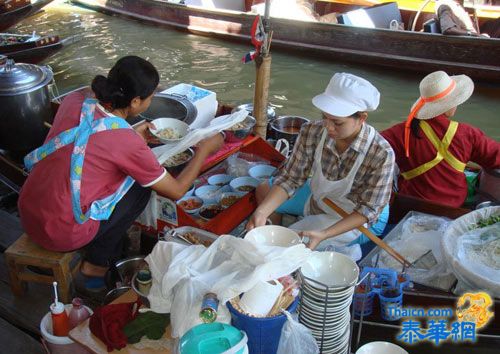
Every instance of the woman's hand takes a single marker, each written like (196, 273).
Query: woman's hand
(143, 130)
(257, 219)
(315, 237)
(211, 145)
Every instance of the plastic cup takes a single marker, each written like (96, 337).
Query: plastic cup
(261, 298)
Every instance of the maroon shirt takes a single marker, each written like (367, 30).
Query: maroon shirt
(111, 156)
(442, 184)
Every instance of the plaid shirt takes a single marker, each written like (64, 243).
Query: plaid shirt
(372, 185)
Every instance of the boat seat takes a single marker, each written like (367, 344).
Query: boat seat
(60, 266)
(378, 16)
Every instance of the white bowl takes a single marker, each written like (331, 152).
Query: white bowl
(262, 172)
(332, 269)
(219, 180)
(163, 123)
(187, 198)
(207, 192)
(273, 235)
(224, 195)
(243, 181)
(381, 348)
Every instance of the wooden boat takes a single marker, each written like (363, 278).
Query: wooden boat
(416, 51)
(32, 49)
(12, 14)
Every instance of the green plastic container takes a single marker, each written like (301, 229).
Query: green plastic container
(472, 181)
(213, 338)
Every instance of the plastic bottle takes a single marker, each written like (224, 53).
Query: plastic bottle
(78, 313)
(209, 306)
(60, 321)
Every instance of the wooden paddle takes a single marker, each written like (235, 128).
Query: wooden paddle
(370, 235)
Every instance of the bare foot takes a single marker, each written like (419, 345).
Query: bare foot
(92, 270)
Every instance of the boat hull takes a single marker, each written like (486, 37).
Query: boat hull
(399, 50)
(9, 19)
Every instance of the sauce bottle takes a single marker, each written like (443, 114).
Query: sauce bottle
(60, 321)
(78, 313)
(209, 306)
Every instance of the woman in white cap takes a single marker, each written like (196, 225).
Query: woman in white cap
(432, 150)
(350, 163)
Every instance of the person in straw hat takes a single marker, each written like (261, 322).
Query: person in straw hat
(350, 163)
(432, 150)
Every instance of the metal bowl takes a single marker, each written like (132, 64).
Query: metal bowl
(176, 169)
(287, 127)
(144, 297)
(127, 267)
(240, 134)
(271, 113)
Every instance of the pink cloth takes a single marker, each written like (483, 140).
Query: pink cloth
(45, 199)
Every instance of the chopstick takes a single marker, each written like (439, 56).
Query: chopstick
(370, 235)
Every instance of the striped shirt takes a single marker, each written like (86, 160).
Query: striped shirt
(372, 185)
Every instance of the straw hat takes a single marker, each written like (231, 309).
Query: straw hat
(435, 84)
(347, 94)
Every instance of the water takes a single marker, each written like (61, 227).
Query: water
(216, 65)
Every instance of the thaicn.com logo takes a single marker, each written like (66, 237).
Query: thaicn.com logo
(473, 311)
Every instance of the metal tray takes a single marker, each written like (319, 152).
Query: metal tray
(196, 236)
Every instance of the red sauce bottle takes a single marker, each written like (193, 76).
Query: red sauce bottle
(60, 321)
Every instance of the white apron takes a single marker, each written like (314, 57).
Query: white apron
(336, 191)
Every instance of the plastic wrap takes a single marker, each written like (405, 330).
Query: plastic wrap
(473, 271)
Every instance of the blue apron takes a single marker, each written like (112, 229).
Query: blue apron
(79, 136)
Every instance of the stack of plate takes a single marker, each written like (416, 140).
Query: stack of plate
(328, 281)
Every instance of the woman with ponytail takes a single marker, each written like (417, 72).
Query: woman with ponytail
(94, 174)
(432, 150)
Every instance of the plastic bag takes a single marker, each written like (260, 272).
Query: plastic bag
(296, 338)
(229, 267)
(468, 277)
(480, 250)
(239, 164)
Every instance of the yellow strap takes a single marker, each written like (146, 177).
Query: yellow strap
(442, 152)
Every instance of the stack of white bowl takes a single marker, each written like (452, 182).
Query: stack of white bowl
(328, 281)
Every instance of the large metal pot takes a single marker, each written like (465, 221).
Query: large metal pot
(287, 127)
(171, 106)
(25, 102)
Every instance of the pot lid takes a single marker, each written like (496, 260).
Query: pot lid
(22, 78)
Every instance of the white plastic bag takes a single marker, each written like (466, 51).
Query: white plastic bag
(229, 267)
(296, 338)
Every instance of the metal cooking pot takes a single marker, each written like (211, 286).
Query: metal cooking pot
(271, 114)
(171, 106)
(25, 102)
(287, 127)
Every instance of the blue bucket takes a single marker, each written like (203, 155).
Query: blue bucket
(263, 332)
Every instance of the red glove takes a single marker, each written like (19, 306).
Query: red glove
(108, 321)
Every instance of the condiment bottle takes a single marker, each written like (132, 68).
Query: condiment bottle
(78, 313)
(209, 306)
(144, 281)
(60, 321)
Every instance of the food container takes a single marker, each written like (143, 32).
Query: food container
(240, 130)
(210, 211)
(271, 113)
(262, 172)
(244, 184)
(192, 234)
(190, 204)
(173, 106)
(169, 130)
(229, 198)
(174, 165)
(219, 180)
(207, 192)
(287, 127)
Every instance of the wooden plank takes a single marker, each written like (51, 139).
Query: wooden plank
(27, 311)
(10, 229)
(16, 341)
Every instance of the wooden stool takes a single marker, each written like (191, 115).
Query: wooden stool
(24, 252)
